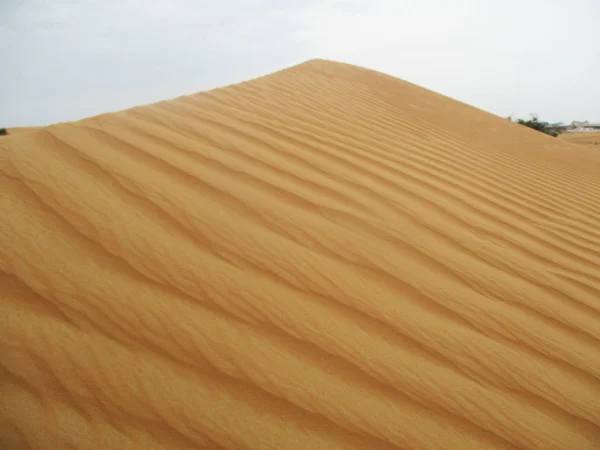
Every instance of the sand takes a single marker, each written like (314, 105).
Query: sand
(586, 138)
(323, 258)
(20, 130)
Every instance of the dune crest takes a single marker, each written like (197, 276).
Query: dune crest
(325, 257)
(20, 130)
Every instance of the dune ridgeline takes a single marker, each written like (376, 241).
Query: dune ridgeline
(322, 258)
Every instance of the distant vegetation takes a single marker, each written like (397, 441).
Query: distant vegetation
(3, 132)
(553, 129)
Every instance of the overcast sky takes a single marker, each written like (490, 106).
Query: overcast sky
(68, 59)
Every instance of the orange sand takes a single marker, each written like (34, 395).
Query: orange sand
(591, 138)
(326, 257)
(19, 130)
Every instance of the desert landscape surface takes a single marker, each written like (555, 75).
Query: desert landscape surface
(326, 257)
(587, 138)
(19, 130)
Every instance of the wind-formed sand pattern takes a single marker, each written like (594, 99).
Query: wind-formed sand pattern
(323, 258)
(585, 138)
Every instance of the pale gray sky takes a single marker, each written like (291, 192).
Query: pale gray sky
(65, 60)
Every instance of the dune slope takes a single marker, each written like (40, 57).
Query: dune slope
(584, 138)
(19, 130)
(325, 257)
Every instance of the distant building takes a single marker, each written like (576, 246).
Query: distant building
(560, 128)
(584, 126)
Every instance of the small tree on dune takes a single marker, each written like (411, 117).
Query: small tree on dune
(3, 132)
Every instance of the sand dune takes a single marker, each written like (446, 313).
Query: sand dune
(19, 130)
(325, 257)
(586, 138)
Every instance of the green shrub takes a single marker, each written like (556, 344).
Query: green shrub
(536, 124)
